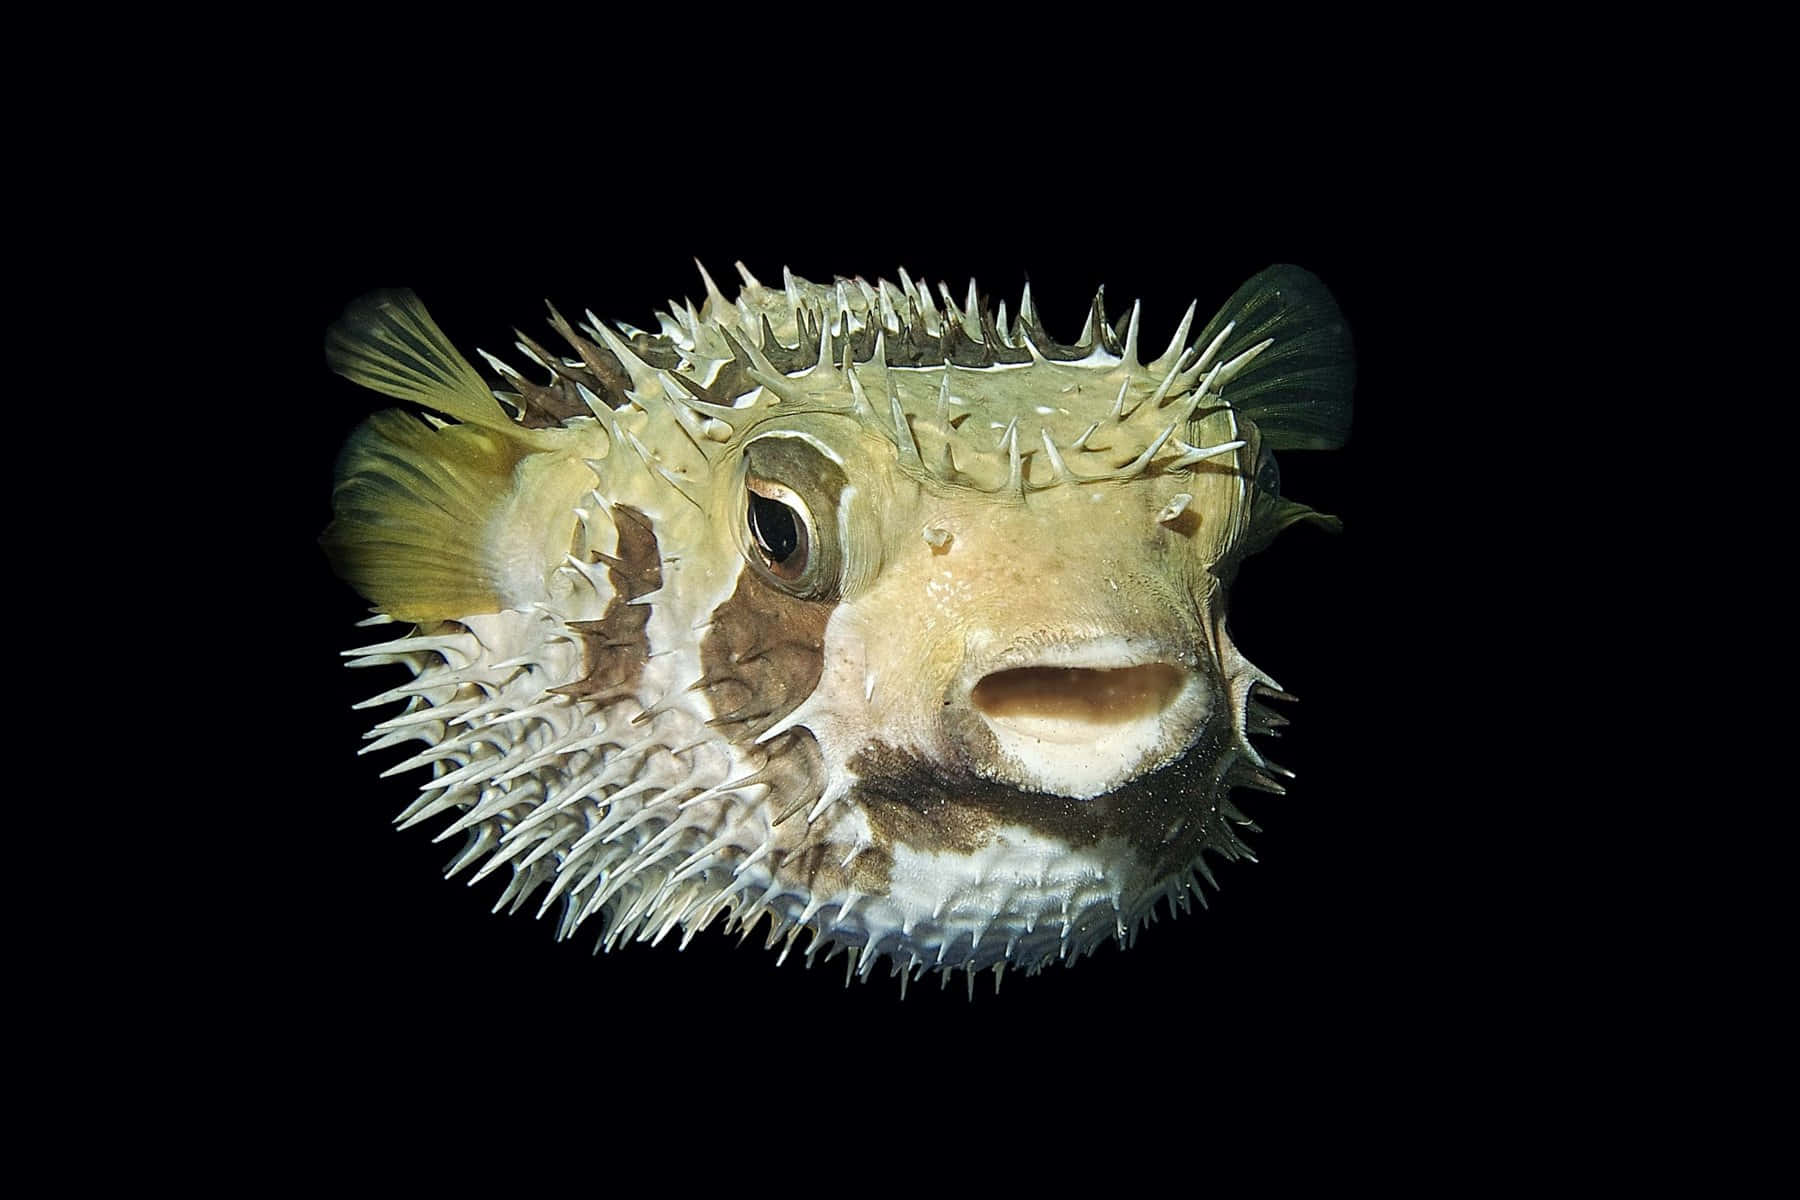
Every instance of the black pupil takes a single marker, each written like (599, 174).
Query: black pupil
(772, 525)
(1268, 477)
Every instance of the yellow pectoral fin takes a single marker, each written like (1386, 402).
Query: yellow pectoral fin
(433, 520)
(434, 523)
(412, 506)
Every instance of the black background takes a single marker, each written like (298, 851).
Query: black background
(1352, 946)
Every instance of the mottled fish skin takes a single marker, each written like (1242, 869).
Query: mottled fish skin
(843, 609)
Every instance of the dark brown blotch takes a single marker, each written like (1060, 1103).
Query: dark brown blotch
(1170, 814)
(763, 654)
(819, 867)
(793, 768)
(615, 647)
(542, 407)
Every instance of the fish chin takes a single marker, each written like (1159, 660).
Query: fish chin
(982, 872)
(1026, 897)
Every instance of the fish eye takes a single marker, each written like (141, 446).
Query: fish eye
(777, 529)
(788, 526)
(1268, 476)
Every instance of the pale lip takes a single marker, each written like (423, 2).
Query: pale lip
(1082, 718)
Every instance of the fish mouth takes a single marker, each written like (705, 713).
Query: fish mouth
(1075, 705)
(1083, 719)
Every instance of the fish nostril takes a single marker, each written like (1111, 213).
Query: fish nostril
(1076, 704)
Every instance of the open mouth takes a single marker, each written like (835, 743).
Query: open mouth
(1076, 705)
(1081, 731)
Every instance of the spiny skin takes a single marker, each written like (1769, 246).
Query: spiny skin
(888, 620)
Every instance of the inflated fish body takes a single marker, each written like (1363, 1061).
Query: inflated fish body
(835, 609)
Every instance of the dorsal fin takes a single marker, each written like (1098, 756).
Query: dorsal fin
(389, 343)
(1298, 390)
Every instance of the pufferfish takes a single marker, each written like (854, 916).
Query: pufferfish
(837, 609)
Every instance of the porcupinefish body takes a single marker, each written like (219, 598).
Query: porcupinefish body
(835, 608)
